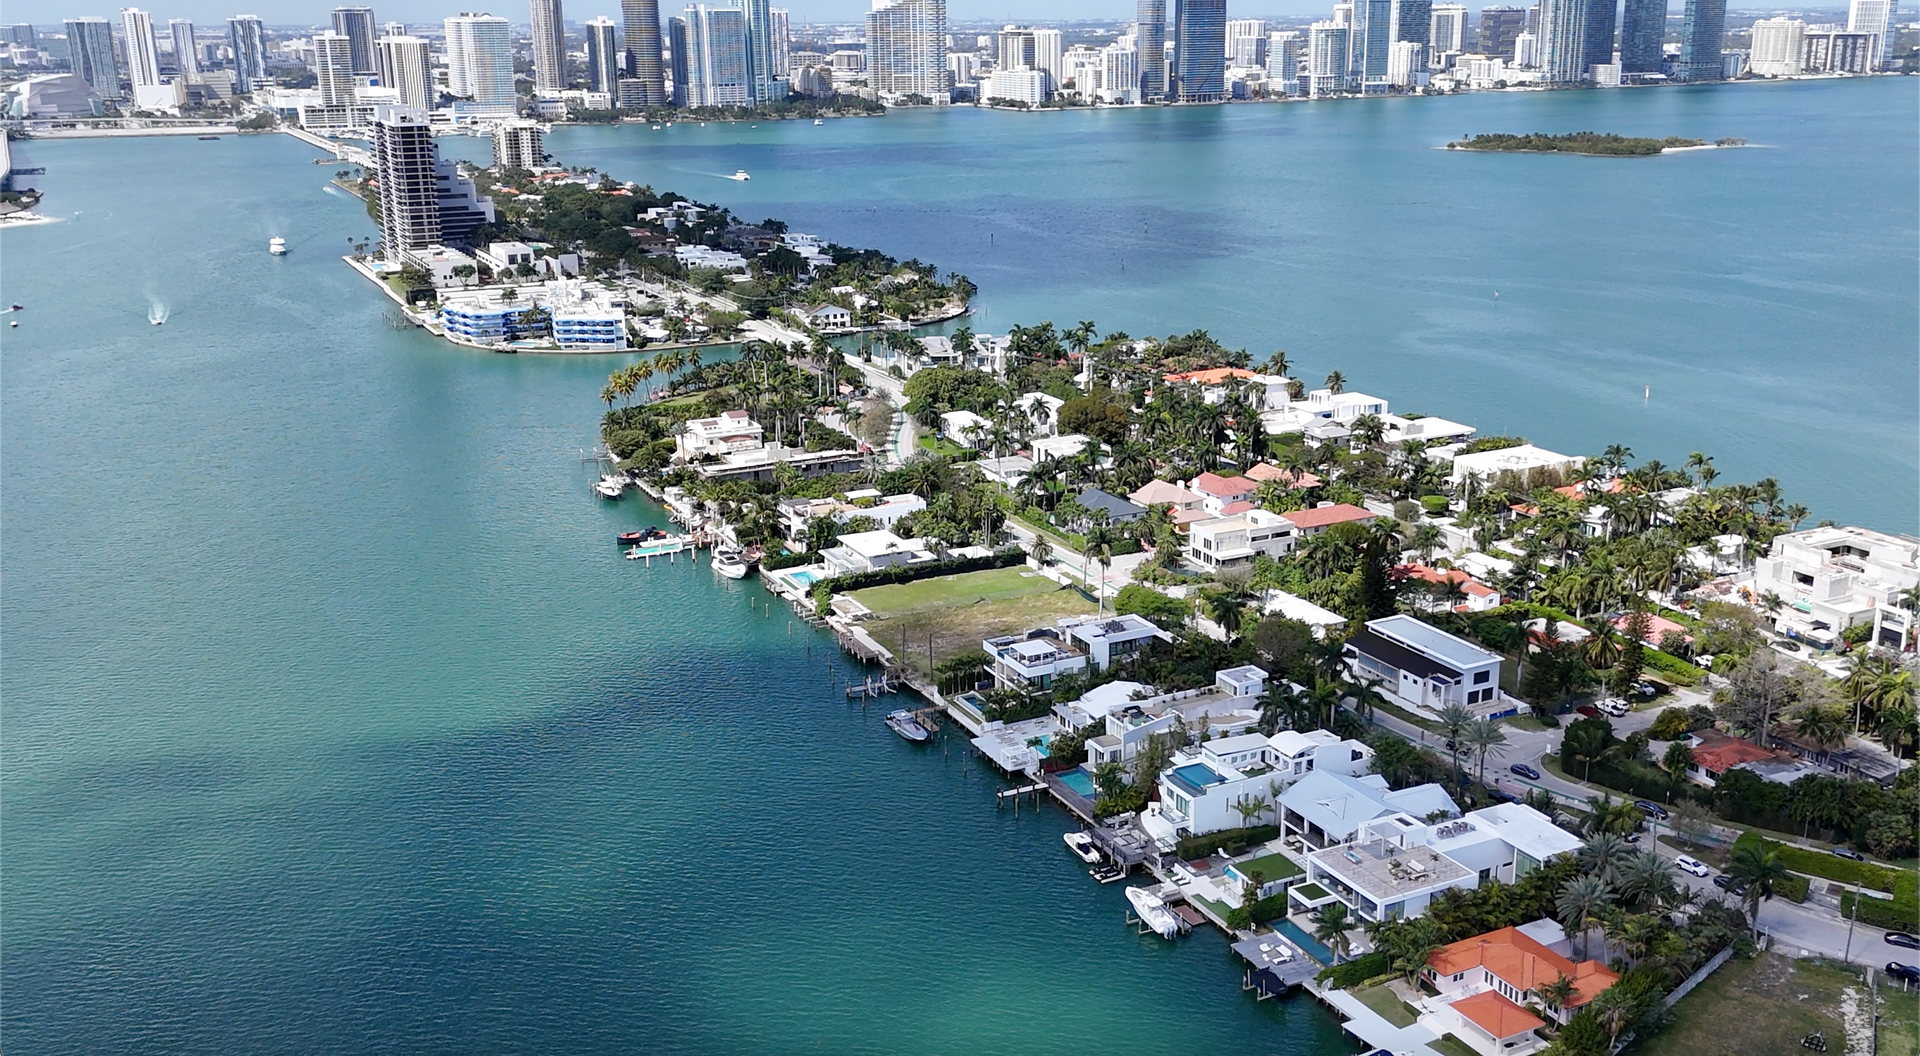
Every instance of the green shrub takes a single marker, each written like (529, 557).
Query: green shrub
(1273, 907)
(1434, 504)
(777, 562)
(1899, 912)
(1357, 971)
(1672, 668)
(1794, 888)
(1233, 841)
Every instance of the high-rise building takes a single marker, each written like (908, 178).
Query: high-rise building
(1526, 51)
(1447, 28)
(1413, 21)
(90, 49)
(1200, 51)
(404, 154)
(333, 68)
(603, 55)
(184, 54)
(19, 34)
(1120, 73)
(641, 38)
(356, 24)
(760, 77)
(549, 45)
(1603, 17)
(677, 48)
(1876, 17)
(1150, 42)
(1369, 45)
(248, 38)
(1702, 35)
(1406, 61)
(1563, 40)
(1014, 49)
(480, 64)
(403, 66)
(1778, 44)
(1643, 28)
(782, 40)
(1283, 63)
(717, 72)
(1239, 29)
(1247, 51)
(1830, 49)
(391, 29)
(519, 144)
(1049, 51)
(907, 48)
(143, 54)
(1499, 26)
(1327, 58)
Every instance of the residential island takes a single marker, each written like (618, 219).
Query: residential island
(1609, 144)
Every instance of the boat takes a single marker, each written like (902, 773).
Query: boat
(632, 538)
(13, 322)
(903, 723)
(277, 246)
(1107, 874)
(740, 174)
(1083, 847)
(730, 563)
(610, 487)
(1153, 912)
(209, 137)
(656, 128)
(817, 121)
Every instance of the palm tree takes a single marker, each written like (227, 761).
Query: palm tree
(1335, 382)
(1822, 726)
(1605, 855)
(1556, 994)
(1484, 736)
(1589, 743)
(1330, 927)
(1614, 1007)
(1100, 548)
(1041, 549)
(1453, 720)
(1250, 810)
(1579, 904)
(1646, 878)
(1424, 541)
(1758, 869)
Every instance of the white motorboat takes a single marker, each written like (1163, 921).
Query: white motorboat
(730, 563)
(610, 487)
(817, 121)
(903, 723)
(740, 174)
(1153, 912)
(1083, 847)
(277, 246)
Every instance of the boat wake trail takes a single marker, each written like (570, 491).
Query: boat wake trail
(157, 313)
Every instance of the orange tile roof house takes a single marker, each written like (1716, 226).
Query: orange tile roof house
(1217, 491)
(1321, 518)
(1716, 753)
(1214, 376)
(1486, 980)
(1479, 596)
(1266, 471)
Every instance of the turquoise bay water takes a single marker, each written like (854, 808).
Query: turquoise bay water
(1767, 295)
(334, 722)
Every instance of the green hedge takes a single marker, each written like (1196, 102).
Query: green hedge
(1357, 971)
(1233, 841)
(1793, 887)
(1273, 907)
(909, 573)
(775, 564)
(1897, 915)
(1901, 911)
(1672, 667)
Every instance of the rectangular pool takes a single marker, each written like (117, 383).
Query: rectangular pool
(805, 579)
(1080, 781)
(1306, 942)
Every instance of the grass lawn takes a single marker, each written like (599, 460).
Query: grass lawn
(1453, 1046)
(959, 611)
(1763, 1007)
(1387, 1004)
(1526, 721)
(1407, 716)
(944, 447)
(1271, 866)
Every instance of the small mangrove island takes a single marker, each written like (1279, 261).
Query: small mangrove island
(1609, 144)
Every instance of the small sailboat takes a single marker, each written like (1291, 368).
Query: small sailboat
(903, 723)
(277, 246)
(730, 563)
(1083, 847)
(740, 174)
(1153, 912)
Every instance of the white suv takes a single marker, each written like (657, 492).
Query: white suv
(1615, 707)
(1691, 865)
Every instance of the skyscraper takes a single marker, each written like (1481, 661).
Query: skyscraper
(603, 55)
(248, 38)
(549, 45)
(333, 68)
(404, 154)
(1702, 35)
(19, 33)
(1643, 27)
(907, 48)
(403, 66)
(1447, 28)
(356, 24)
(642, 41)
(519, 144)
(90, 46)
(1327, 58)
(1777, 47)
(1150, 41)
(1413, 21)
(184, 54)
(1200, 51)
(480, 64)
(1014, 49)
(143, 54)
(1499, 27)
(1049, 53)
(717, 66)
(1603, 16)
(677, 48)
(782, 21)
(1563, 40)
(760, 76)
(1873, 16)
(1242, 28)
(1368, 45)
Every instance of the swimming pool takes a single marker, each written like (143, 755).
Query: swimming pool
(805, 579)
(1079, 780)
(1306, 942)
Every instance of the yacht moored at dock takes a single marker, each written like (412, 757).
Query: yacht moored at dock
(1083, 847)
(1153, 912)
(903, 723)
(610, 487)
(730, 563)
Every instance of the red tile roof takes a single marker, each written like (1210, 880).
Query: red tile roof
(1265, 471)
(1322, 516)
(1496, 1015)
(1232, 508)
(1211, 377)
(1467, 583)
(1224, 487)
(1720, 755)
(1522, 962)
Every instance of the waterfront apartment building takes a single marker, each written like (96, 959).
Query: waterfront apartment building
(1119, 74)
(1406, 64)
(1702, 35)
(1643, 28)
(603, 55)
(716, 56)
(1283, 63)
(333, 70)
(143, 53)
(1603, 18)
(1049, 54)
(1199, 51)
(1327, 58)
(641, 38)
(1778, 46)
(1239, 29)
(1830, 49)
(90, 50)
(1150, 42)
(405, 156)
(519, 144)
(356, 24)
(1563, 40)
(1499, 28)
(1413, 21)
(402, 64)
(782, 21)
(247, 35)
(764, 85)
(1448, 29)
(480, 65)
(907, 49)
(1369, 41)
(1876, 17)
(549, 45)
(185, 56)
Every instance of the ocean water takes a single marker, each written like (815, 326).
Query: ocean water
(334, 722)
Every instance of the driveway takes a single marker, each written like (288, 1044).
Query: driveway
(1802, 930)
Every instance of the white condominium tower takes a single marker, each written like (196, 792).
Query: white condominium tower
(1563, 40)
(519, 144)
(603, 55)
(1777, 44)
(143, 56)
(1049, 53)
(1873, 16)
(403, 66)
(1243, 28)
(716, 56)
(248, 37)
(549, 46)
(333, 68)
(907, 48)
(1327, 58)
(1448, 30)
(184, 56)
(480, 64)
(356, 24)
(782, 20)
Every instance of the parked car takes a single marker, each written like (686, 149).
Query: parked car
(1848, 852)
(1904, 972)
(1727, 884)
(1646, 689)
(1688, 863)
(1651, 809)
(1525, 771)
(1589, 711)
(1901, 938)
(1615, 707)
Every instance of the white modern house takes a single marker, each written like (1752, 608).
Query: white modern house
(1218, 784)
(1036, 658)
(1109, 638)
(729, 432)
(1231, 542)
(1422, 667)
(1834, 578)
(1325, 808)
(1042, 410)
(885, 511)
(868, 551)
(1489, 464)
(965, 428)
(1230, 706)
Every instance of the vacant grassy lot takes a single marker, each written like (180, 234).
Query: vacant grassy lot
(1387, 1003)
(1763, 1007)
(958, 611)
